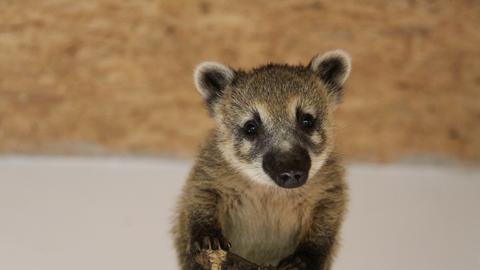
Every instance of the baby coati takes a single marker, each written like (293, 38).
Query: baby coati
(267, 184)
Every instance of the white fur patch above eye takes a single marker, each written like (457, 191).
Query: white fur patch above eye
(265, 115)
(292, 106)
(308, 109)
(296, 104)
(245, 118)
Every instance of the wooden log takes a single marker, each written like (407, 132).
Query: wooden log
(223, 260)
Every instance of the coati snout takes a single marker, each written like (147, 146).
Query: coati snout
(287, 169)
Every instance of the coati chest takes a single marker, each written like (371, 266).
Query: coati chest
(265, 226)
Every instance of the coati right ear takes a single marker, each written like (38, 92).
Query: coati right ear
(211, 79)
(332, 68)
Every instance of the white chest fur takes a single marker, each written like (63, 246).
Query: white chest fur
(266, 226)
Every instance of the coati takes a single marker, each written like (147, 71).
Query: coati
(267, 184)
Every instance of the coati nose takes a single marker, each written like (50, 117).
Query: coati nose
(287, 169)
(292, 179)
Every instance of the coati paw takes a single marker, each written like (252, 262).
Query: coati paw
(292, 263)
(209, 243)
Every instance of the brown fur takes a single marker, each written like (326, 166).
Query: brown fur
(263, 222)
(326, 195)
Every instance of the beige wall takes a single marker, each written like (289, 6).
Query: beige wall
(115, 76)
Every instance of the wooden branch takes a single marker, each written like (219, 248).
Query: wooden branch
(222, 260)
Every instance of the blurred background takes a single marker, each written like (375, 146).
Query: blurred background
(100, 121)
(88, 77)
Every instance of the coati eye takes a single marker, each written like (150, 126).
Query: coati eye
(250, 129)
(307, 121)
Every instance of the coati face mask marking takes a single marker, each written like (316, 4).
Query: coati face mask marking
(274, 122)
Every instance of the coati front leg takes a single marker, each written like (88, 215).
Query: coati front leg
(316, 250)
(203, 225)
(207, 236)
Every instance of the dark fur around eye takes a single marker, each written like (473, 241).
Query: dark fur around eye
(306, 121)
(251, 128)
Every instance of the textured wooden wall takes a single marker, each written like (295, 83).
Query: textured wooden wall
(108, 76)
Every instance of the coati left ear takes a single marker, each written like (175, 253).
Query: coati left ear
(332, 68)
(211, 79)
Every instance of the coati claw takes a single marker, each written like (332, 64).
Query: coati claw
(210, 243)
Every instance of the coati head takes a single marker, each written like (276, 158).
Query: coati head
(274, 123)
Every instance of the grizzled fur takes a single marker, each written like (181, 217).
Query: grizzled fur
(237, 196)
